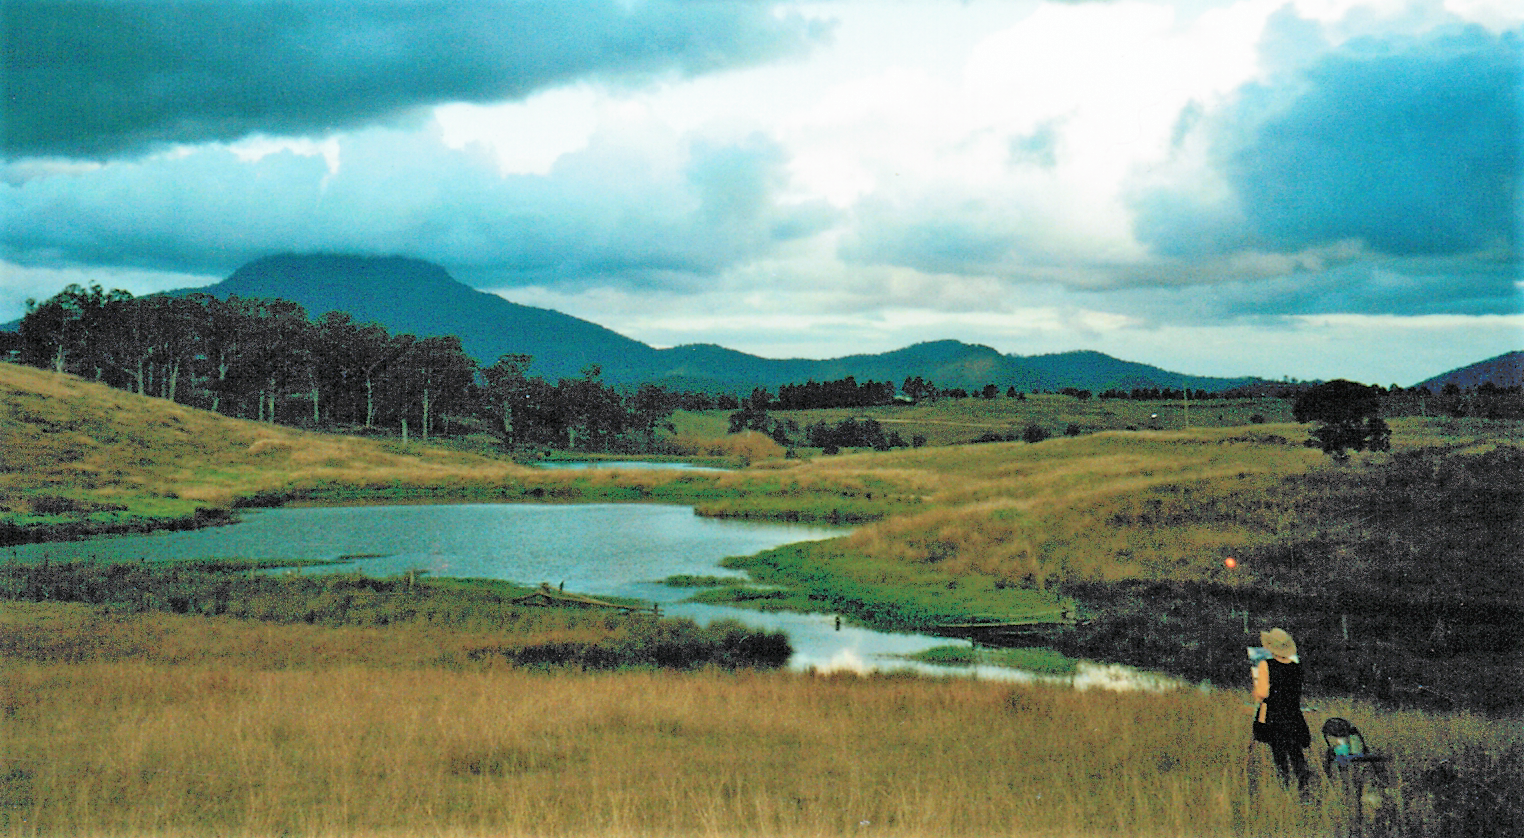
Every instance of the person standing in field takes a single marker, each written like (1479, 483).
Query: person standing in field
(1278, 720)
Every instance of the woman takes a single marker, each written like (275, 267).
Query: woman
(1278, 721)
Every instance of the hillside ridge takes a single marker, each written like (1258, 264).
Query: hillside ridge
(413, 296)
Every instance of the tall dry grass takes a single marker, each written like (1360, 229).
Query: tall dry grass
(169, 725)
(355, 745)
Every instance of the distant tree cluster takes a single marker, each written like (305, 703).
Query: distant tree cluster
(1160, 394)
(852, 433)
(265, 360)
(1485, 401)
(1349, 415)
(843, 393)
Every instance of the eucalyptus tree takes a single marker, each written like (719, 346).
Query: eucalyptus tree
(1349, 416)
(277, 358)
(650, 412)
(437, 376)
(62, 332)
(147, 342)
(595, 417)
(349, 358)
(506, 396)
(227, 347)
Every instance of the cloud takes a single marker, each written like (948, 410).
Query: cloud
(1408, 144)
(636, 207)
(101, 79)
(1419, 287)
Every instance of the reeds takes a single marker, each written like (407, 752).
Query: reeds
(353, 746)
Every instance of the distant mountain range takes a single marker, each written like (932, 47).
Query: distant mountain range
(416, 297)
(1506, 370)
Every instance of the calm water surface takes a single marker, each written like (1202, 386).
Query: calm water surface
(628, 465)
(601, 549)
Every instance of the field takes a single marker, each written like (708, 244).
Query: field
(1395, 571)
(175, 725)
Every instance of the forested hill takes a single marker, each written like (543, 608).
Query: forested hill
(410, 296)
(1505, 370)
(413, 297)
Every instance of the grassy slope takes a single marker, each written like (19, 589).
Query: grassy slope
(94, 448)
(211, 724)
(1000, 530)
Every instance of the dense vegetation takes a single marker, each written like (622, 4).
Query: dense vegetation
(266, 360)
(586, 638)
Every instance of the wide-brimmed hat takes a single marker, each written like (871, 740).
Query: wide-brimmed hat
(1278, 642)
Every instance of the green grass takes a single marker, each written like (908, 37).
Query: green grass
(831, 578)
(689, 580)
(1035, 660)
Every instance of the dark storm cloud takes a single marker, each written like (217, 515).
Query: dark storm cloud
(1412, 147)
(99, 79)
(1443, 286)
(614, 213)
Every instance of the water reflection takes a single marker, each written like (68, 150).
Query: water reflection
(600, 549)
(620, 550)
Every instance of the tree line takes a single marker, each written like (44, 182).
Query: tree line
(265, 360)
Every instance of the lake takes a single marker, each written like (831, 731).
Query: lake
(601, 549)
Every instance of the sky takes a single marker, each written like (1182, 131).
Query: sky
(1311, 189)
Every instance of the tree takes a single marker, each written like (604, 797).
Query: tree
(1348, 415)
(753, 413)
(227, 344)
(918, 388)
(439, 373)
(595, 416)
(279, 358)
(650, 410)
(64, 331)
(507, 394)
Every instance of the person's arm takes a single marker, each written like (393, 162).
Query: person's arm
(1262, 680)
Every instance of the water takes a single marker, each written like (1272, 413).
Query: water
(600, 549)
(620, 550)
(628, 465)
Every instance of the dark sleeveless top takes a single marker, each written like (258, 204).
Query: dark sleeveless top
(1285, 702)
(1283, 709)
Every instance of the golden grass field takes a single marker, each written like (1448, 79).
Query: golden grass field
(204, 727)
(168, 725)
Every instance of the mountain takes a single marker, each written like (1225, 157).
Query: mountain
(416, 297)
(1506, 370)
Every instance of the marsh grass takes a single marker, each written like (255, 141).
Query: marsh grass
(367, 738)
(1037, 661)
(489, 624)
